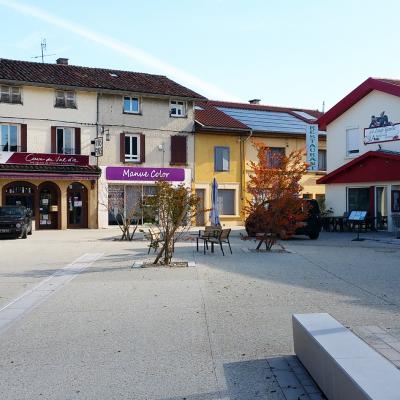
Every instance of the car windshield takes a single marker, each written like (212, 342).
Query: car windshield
(11, 212)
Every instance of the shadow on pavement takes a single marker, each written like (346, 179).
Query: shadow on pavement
(272, 378)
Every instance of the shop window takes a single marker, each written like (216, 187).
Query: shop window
(274, 156)
(116, 199)
(221, 158)
(321, 160)
(178, 150)
(65, 99)
(20, 194)
(307, 196)
(9, 138)
(352, 142)
(131, 105)
(10, 94)
(395, 200)
(177, 108)
(65, 140)
(226, 201)
(358, 199)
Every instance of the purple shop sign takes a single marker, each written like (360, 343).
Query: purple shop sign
(145, 174)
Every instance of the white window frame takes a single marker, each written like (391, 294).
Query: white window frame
(234, 189)
(129, 157)
(18, 136)
(64, 129)
(216, 148)
(131, 111)
(177, 105)
(7, 90)
(67, 97)
(352, 152)
(326, 161)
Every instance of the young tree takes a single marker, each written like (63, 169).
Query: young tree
(176, 208)
(275, 208)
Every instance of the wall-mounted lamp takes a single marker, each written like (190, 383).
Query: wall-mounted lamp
(106, 132)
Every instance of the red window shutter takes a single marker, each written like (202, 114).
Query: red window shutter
(122, 147)
(24, 138)
(53, 139)
(77, 140)
(178, 150)
(142, 148)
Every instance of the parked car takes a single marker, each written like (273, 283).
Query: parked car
(15, 221)
(312, 225)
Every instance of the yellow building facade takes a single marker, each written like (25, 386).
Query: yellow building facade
(224, 146)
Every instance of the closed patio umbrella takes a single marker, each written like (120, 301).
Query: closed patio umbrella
(214, 213)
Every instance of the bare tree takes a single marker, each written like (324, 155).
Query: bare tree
(175, 208)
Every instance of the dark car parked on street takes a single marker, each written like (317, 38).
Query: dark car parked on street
(15, 221)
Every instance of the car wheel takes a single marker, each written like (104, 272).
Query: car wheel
(24, 234)
(313, 235)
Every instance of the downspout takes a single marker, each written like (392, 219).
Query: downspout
(97, 158)
(243, 167)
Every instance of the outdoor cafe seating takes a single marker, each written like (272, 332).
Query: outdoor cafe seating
(343, 224)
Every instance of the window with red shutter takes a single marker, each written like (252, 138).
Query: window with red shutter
(178, 150)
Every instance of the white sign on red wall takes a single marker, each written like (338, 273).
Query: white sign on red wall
(9, 157)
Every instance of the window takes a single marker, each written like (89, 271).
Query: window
(65, 99)
(10, 94)
(221, 158)
(9, 140)
(132, 147)
(178, 150)
(274, 156)
(307, 196)
(65, 141)
(226, 201)
(321, 160)
(177, 108)
(352, 141)
(358, 199)
(131, 105)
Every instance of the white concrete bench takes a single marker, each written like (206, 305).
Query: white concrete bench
(342, 365)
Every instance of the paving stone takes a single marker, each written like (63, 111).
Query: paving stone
(294, 393)
(374, 329)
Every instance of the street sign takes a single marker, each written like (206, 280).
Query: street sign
(98, 147)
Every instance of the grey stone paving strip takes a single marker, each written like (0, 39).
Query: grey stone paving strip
(24, 303)
(382, 341)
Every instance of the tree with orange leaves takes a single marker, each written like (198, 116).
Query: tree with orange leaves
(275, 208)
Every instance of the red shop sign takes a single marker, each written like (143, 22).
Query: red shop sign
(43, 159)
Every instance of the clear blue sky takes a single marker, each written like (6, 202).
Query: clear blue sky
(287, 52)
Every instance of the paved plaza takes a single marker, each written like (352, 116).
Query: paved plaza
(77, 322)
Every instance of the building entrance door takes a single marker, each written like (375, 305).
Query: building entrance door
(48, 217)
(77, 206)
(200, 220)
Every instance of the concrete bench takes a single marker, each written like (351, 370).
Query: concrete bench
(342, 365)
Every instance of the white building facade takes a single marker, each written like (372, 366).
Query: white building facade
(363, 152)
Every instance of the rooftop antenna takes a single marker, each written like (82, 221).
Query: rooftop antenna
(43, 49)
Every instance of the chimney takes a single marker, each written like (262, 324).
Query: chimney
(254, 101)
(62, 61)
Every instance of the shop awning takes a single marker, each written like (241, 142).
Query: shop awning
(24, 171)
(373, 166)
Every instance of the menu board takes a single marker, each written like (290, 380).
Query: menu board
(357, 216)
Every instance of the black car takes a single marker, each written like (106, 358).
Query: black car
(15, 221)
(312, 225)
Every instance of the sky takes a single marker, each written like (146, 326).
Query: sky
(297, 53)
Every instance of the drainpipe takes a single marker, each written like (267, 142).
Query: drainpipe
(97, 158)
(243, 165)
